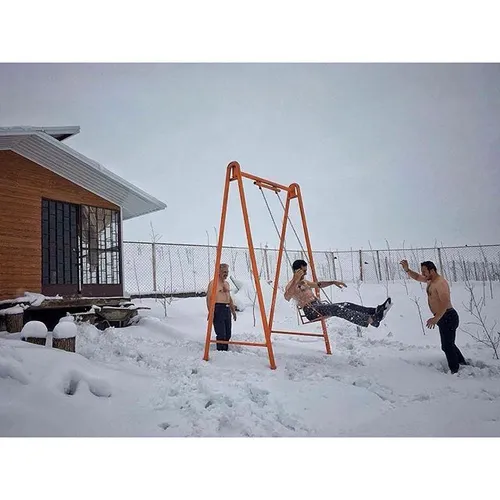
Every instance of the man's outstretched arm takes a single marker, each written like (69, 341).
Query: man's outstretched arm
(324, 284)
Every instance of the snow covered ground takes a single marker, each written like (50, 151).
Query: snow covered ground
(150, 379)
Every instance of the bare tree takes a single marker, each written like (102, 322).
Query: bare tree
(340, 266)
(416, 300)
(486, 271)
(416, 259)
(405, 276)
(387, 272)
(375, 263)
(155, 238)
(483, 333)
(358, 290)
(255, 291)
(165, 298)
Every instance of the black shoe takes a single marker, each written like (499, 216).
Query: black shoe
(381, 307)
(381, 311)
(385, 307)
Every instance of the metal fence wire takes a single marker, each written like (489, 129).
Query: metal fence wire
(171, 269)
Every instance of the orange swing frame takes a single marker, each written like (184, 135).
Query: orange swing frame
(234, 173)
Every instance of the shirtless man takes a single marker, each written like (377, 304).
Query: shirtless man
(224, 307)
(445, 316)
(300, 290)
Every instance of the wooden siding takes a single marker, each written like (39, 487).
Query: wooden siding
(23, 184)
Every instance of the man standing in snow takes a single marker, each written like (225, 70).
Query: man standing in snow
(445, 316)
(224, 307)
(300, 290)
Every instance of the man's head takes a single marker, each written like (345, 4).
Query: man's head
(224, 271)
(300, 264)
(428, 269)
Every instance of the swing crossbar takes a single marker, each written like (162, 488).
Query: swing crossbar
(267, 186)
(238, 342)
(265, 182)
(305, 334)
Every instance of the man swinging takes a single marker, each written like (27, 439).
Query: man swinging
(300, 290)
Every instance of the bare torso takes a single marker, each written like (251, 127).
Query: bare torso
(222, 295)
(435, 303)
(302, 294)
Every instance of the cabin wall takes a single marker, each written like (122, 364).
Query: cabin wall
(23, 184)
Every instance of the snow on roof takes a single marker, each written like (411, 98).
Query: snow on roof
(59, 133)
(44, 146)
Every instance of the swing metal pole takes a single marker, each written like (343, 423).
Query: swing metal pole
(311, 262)
(264, 182)
(290, 193)
(267, 331)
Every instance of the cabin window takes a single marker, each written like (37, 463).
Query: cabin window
(59, 243)
(100, 245)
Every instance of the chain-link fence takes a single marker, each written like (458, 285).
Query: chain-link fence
(172, 269)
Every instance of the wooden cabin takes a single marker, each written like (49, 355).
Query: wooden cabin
(61, 217)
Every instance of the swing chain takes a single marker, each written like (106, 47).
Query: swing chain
(293, 228)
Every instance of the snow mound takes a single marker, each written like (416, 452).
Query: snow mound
(34, 329)
(65, 330)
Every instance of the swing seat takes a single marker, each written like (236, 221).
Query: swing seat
(305, 320)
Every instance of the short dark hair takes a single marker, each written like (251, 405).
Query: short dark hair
(429, 265)
(298, 264)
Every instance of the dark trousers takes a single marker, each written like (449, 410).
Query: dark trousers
(354, 313)
(448, 325)
(222, 324)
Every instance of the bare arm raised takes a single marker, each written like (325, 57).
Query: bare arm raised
(412, 274)
(291, 288)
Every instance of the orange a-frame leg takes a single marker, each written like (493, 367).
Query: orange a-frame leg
(234, 173)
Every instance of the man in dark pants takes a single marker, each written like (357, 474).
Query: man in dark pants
(445, 316)
(300, 290)
(224, 307)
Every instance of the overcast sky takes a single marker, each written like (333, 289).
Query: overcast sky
(399, 152)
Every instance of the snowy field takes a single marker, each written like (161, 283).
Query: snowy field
(150, 380)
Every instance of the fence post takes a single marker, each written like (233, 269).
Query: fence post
(378, 265)
(153, 260)
(454, 270)
(361, 265)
